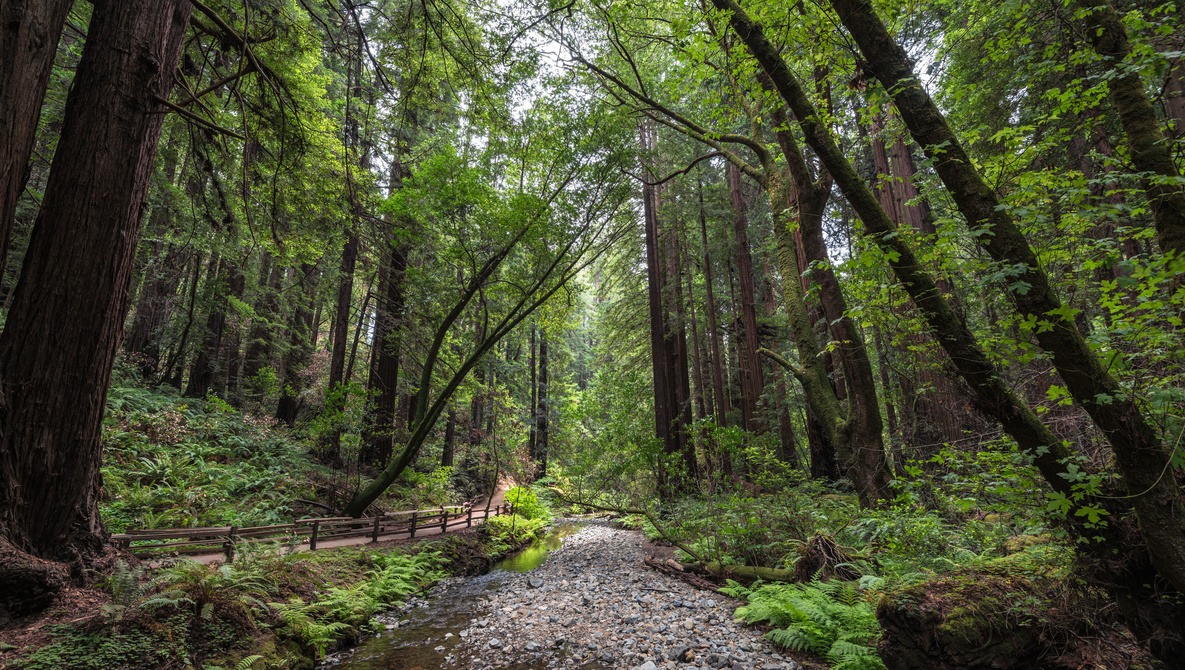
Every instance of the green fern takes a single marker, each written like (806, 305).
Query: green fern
(249, 662)
(308, 624)
(827, 619)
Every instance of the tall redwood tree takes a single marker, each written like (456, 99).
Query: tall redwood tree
(66, 320)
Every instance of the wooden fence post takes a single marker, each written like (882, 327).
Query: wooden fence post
(228, 547)
(377, 522)
(313, 536)
(469, 518)
(413, 525)
(443, 520)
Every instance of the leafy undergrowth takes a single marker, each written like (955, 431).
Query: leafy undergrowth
(174, 462)
(987, 516)
(266, 610)
(530, 517)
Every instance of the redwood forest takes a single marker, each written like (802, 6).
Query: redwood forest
(640, 334)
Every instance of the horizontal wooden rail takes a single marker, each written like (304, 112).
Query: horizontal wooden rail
(160, 542)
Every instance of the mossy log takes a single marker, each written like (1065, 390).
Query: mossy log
(749, 573)
(970, 620)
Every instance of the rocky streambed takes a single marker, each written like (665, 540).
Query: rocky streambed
(592, 604)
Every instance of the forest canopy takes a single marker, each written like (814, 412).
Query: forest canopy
(661, 257)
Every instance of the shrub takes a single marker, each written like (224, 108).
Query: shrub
(526, 504)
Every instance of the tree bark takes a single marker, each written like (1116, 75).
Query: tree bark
(29, 35)
(67, 317)
(384, 374)
(543, 427)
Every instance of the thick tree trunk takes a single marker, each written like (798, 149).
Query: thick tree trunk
(752, 379)
(29, 34)
(66, 321)
(1139, 452)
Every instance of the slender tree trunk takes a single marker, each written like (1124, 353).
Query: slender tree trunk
(664, 407)
(154, 308)
(543, 429)
(450, 439)
(363, 320)
(721, 407)
(330, 450)
(175, 365)
(29, 35)
(66, 320)
(676, 334)
(262, 336)
(227, 282)
(300, 346)
(752, 380)
(697, 343)
(532, 434)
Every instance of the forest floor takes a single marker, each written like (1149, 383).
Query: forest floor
(592, 604)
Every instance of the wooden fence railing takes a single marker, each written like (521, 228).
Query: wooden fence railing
(192, 541)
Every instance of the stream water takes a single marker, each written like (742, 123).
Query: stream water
(423, 634)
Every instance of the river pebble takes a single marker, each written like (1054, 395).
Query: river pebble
(593, 604)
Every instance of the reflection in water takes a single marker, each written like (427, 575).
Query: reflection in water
(533, 556)
(425, 637)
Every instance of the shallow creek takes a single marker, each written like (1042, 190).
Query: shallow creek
(422, 634)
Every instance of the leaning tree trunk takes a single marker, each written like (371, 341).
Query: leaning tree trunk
(991, 395)
(1140, 455)
(29, 34)
(67, 316)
